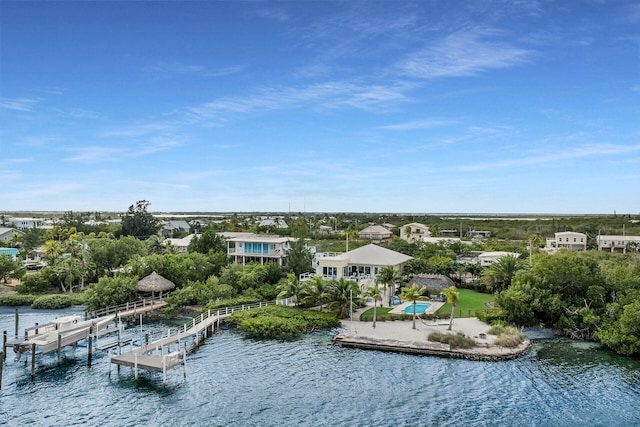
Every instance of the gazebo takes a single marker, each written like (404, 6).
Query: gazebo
(154, 284)
(435, 283)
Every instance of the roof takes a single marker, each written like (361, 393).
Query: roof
(375, 229)
(180, 242)
(569, 233)
(12, 230)
(374, 255)
(154, 283)
(9, 251)
(261, 238)
(176, 225)
(433, 282)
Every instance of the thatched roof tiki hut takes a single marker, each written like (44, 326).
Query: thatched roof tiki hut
(435, 283)
(154, 284)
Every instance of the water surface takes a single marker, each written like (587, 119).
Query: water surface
(308, 381)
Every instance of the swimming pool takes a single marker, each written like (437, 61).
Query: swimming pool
(421, 307)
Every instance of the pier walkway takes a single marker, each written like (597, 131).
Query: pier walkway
(157, 354)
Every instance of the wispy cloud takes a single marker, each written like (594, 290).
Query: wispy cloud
(592, 150)
(327, 95)
(463, 53)
(95, 154)
(135, 131)
(419, 124)
(19, 104)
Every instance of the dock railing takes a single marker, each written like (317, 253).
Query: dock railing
(220, 313)
(123, 307)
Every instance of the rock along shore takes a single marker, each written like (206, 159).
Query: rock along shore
(400, 337)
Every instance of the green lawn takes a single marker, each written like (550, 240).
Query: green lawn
(379, 310)
(468, 303)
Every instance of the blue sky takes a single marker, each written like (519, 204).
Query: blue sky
(338, 106)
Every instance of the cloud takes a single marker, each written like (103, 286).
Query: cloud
(464, 53)
(95, 154)
(135, 131)
(326, 95)
(419, 124)
(592, 150)
(19, 104)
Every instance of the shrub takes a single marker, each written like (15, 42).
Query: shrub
(231, 302)
(490, 316)
(17, 300)
(111, 291)
(278, 320)
(37, 283)
(56, 301)
(510, 337)
(454, 340)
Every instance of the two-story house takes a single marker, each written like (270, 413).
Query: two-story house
(621, 244)
(258, 248)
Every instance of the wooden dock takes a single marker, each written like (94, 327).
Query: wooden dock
(157, 355)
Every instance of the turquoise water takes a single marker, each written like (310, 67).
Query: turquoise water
(233, 379)
(420, 308)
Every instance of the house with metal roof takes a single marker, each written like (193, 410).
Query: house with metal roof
(621, 244)
(375, 233)
(366, 260)
(6, 234)
(12, 252)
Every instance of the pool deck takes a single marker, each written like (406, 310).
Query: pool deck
(433, 306)
(399, 336)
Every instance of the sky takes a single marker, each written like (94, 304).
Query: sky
(490, 106)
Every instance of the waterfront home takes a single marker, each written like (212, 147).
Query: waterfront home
(249, 247)
(367, 260)
(24, 223)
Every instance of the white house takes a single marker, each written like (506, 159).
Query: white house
(366, 260)
(375, 233)
(174, 226)
(259, 248)
(414, 232)
(6, 234)
(24, 223)
(571, 240)
(180, 245)
(485, 259)
(621, 244)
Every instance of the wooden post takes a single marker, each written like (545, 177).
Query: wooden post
(146, 339)
(59, 347)
(36, 332)
(4, 345)
(33, 360)
(184, 362)
(90, 347)
(2, 356)
(135, 366)
(17, 322)
(164, 371)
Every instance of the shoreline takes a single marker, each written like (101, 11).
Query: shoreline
(400, 337)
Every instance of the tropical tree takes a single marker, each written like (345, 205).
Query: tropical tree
(452, 296)
(138, 222)
(388, 276)
(374, 292)
(68, 271)
(208, 241)
(498, 276)
(413, 294)
(343, 294)
(317, 292)
(292, 288)
(9, 267)
(299, 258)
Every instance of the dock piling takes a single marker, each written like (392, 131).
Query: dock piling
(4, 345)
(2, 356)
(33, 361)
(17, 322)
(59, 347)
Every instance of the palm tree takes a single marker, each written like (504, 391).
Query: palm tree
(291, 287)
(453, 296)
(413, 294)
(388, 276)
(342, 294)
(374, 292)
(498, 276)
